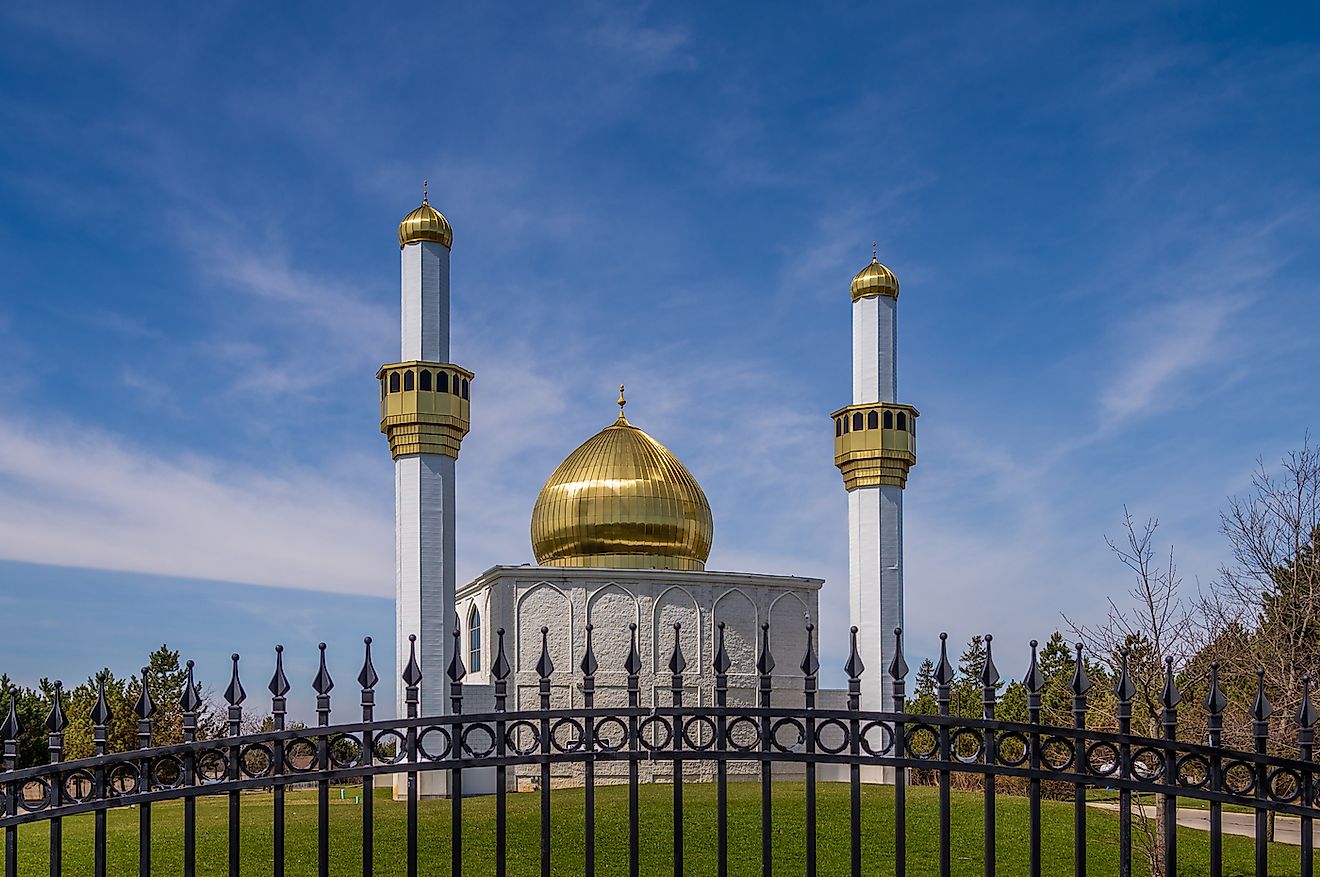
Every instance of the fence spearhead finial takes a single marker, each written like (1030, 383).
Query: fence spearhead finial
(1124, 688)
(1170, 697)
(545, 666)
(145, 706)
(898, 667)
(765, 662)
(1080, 682)
(191, 701)
(589, 665)
(56, 721)
(500, 667)
(1215, 699)
(1306, 711)
(234, 694)
(367, 677)
(722, 662)
(1261, 708)
(12, 728)
(989, 672)
(101, 711)
(412, 673)
(279, 683)
(1034, 680)
(322, 684)
(854, 665)
(677, 663)
(456, 670)
(944, 669)
(633, 663)
(810, 662)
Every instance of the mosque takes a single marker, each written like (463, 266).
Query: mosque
(621, 531)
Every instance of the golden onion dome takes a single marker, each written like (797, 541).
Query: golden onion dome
(874, 279)
(622, 500)
(425, 224)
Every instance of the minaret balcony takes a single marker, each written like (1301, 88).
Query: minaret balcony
(424, 407)
(875, 444)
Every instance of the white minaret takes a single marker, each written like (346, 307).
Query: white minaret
(874, 446)
(425, 414)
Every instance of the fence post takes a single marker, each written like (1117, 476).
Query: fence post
(456, 671)
(10, 732)
(544, 667)
(56, 722)
(145, 708)
(1306, 719)
(100, 734)
(278, 688)
(190, 703)
(500, 669)
(810, 667)
(322, 685)
(677, 664)
(234, 696)
(1124, 690)
(1034, 681)
(412, 680)
(898, 670)
(1261, 710)
(765, 664)
(367, 680)
(854, 668)
(589, 667)
(989, 690)
(943, 679)
(633, 665)
(1079, 685)
(721, 666)
(1170, 698)
(1215, 701)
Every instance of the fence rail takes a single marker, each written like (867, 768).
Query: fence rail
(941, 745)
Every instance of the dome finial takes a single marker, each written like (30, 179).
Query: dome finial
(622, 402)
(875, 257)
(425, 184)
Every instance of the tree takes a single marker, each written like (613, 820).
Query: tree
(923, 699)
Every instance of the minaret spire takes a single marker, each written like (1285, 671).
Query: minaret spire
(874, 447)
(621, 403)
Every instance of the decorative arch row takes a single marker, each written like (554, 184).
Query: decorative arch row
(407, 380)
(874, 419)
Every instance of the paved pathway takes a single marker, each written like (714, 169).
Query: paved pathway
(1287, 829)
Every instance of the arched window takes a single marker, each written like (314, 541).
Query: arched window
(857, 420)
(394, 382)
(407, 380)
(453, 386)
(838, 426)
(465, 388)
(474, 640)
(424, 380)
(873, 420)
(902, 421)
(442, 382)
(382, 391)
(889, 420)
(845, 424)
(912, 427)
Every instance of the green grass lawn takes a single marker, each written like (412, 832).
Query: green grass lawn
(612, 835)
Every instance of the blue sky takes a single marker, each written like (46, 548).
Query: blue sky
(1104, 221)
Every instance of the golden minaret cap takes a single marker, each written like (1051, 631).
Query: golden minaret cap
(875, 279)
(425, 224)
(622, 500)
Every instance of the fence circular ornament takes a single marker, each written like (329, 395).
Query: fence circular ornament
(166, 772)
(1102, 759)
(439, 747)
(1012, 749)
(123, 779)
(1193, 771)
(345, 750)
(654, 725)
(523, 729)
(300, 756)
(386, 740)
(753, 742)
(31, 803)
(707, 729)
(794, 742)
(212, 766)
(605, 741)
(576, 743)
(487, 748)
(1057, 753)
(1148, 764)
(923, 741)
(886, 734)
(967, 745)
(1239, 778)
(256, 760)
(823, 740)
(1284, 784)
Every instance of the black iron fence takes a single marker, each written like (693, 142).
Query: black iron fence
(813, 737)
